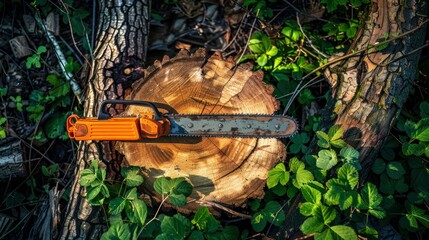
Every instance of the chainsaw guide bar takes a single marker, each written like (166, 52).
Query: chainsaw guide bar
(155, 124)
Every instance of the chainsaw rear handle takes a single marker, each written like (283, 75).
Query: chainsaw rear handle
(102, 115)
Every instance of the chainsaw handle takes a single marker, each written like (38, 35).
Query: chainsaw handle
(103, 115)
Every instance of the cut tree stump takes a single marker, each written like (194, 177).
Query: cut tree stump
(222, 170)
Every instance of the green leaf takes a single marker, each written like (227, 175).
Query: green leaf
(351, 156)
(337, 232)
(92, 192)
(41, 49)
(369, 232)
(378, 166)
(273, 51)
(139, 209)
(274, 213)
(409, 222)
(118, 231)
(335, 132)
(424, 109)
(258, 221)
(421, 130)
(326, 159)
(87, 177)
(116, 205)
(295, 165)
(395, 170)
(371, 200)
(302, 177)
(202, 217)
(410, 149)
(325, 213)
(306, 209)
(298, 143)
(55, 125)
(323, 141)
(262, 60)
(386, 184)
(181, 187)
(312, 225)
(310, 194)
(176, 227)
(349, 173)
(131, 194)
(277, 175)
(131, 176)
(54, 80)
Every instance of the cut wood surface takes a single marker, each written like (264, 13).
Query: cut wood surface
(224, 170)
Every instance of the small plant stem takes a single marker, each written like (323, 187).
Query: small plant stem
(154, 217)
(248, 38)
(62, 60)
(308, 39)
(216, 205)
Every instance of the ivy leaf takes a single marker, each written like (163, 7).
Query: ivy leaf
(277, 175)
(298, 143)
(337, 232)
(395, 170)
(131, 176)
(117, 231)
(326, 159)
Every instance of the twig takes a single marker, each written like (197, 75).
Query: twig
(62, 60)
(248, 38)
(308, 39)
(217, 205)
(351, 55)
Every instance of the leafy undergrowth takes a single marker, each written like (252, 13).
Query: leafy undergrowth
(333, 202)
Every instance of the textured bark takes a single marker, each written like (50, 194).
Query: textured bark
(11, 161)
(119, 55)
(369, 90)
(369, 94)
(224, 170)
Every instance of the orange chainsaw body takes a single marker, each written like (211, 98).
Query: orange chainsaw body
(118, 128)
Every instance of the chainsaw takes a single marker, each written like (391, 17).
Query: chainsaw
(154, 124)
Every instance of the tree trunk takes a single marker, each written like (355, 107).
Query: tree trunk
(222, 170)
(369, 94)
(369, 89)
(119, 55)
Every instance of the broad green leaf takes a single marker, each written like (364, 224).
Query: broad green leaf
(416, 149)
(312, 225)
(386, 184)
(274, 213)
(335, 132)
(326, 159)
(181, 186)
(347, 199)
(395, 170)
(131, 194)
(295, 165)
(302, 177)
(333, 195)
(258, 221)
(119, 231)
(92, 192)
(338, 143)
(325, 213)
(162, 185)
(201, 218)
(349, 173)
(55, 126)
(262, 60)
(196, 235)
(255, 46)
(131, 176)
(177, 199)
(273, 51)
(54, 80)
(87, 177)
(409, 222)
(421, 130)
(337, 232)
(419, 214)
(298, 143)
(176, 227)
(378, 166)
(323, 139)
(116, 205)
(369, 232)
(277, 175)
(351, 156)
(140, 211)
(306, 209)
(311, 194)
(371, 200)
(41, 49)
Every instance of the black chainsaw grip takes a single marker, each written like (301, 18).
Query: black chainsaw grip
(102, 115)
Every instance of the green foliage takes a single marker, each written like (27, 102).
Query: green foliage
(260, 8)
(271, 213)
(34, 60)
(176, 189)
(18, 102)
(3, 120)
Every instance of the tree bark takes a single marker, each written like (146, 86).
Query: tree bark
(119, 56)
(370, 90)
